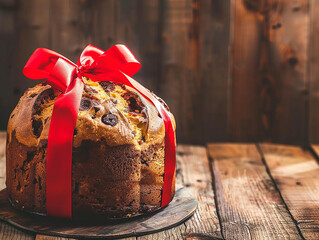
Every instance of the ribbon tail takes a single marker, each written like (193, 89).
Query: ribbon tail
(59, 151)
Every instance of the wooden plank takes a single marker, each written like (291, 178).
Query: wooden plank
(103, 24)
(245, 120)
(296, 172)
(213, 103)
(46, 237)
(9, 232)
(314, 73)
(173, 233)
(69, 32)
(193, 172)
(289, 58)
(248, 203)
(32, 31)
(145, 39)
(7, 31)
(180, 79)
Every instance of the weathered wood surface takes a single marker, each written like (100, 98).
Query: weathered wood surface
(244, 122)
(231, 70)
(214, 24)
(7, 35)
(289, 57)
(248, 203)
(194, 169)
(296, 173)
(314, 73)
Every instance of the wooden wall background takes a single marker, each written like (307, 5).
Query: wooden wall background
(231, 70)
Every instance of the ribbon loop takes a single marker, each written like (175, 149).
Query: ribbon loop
(61, 75)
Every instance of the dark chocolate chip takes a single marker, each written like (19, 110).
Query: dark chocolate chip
(76, 187)
(109, 119)
(96, 109)
(43, 143)
(75, 132)
(30, 156)
(134, 102)
(123, 86)
(37, 127)
(12, 116)
(85, 105)
(107, 86)
(18, 187)
(40, 184)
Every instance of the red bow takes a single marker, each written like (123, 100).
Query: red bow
(116, 65)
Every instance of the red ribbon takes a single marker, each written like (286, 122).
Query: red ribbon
(117, 65)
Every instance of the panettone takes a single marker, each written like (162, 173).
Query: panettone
(118, 151)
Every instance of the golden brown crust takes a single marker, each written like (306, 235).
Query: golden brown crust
(118, 151)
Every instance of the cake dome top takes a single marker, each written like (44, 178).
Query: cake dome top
(114, 113)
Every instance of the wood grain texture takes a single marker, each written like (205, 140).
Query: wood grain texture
(193, 166)
(245, 52)
(46, 237)
(68, 31)
(248, 204)
(11, 233)
(147, 41)
(245, 44)
(212, 114)
(314, 73)
(231, 70)
(32, 31)
(289, 35)
(7, 34)
(178, 84)
(296, 172)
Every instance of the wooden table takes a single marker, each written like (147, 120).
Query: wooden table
(245, 191)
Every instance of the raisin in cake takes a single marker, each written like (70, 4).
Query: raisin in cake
(118, 151)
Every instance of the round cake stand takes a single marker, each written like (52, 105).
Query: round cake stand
(179, 210)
